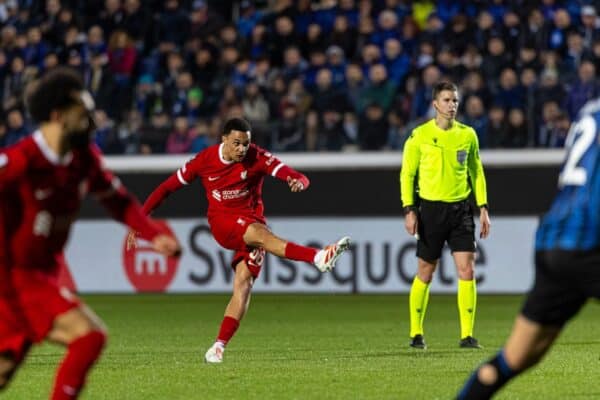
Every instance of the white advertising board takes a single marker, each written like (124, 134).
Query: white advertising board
(382, 259)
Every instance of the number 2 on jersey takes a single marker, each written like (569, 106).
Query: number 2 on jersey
(580, 138)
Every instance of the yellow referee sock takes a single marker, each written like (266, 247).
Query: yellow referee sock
(417, 304)
(467, 302)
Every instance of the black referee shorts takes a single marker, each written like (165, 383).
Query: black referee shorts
(564, 280)
(441, 222)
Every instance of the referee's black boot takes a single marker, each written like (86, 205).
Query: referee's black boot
(470, 343)
(418, 342)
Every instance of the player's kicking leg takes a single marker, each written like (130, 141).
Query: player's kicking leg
(235, 311)
(84, 335)
(258, 235)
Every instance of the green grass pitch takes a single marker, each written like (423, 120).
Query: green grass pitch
(309, 347)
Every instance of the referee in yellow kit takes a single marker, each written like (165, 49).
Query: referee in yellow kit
(444, 154)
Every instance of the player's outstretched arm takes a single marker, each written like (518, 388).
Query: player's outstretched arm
(296, 181)
(164, 190)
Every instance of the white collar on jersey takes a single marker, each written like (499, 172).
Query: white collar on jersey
(223, 160)
(50, 155)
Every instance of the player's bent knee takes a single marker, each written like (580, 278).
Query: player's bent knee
(488, 374)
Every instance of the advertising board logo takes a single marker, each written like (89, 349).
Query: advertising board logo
(147, 270)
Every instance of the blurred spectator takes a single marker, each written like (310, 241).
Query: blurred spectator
(136, 21)
(180, 139)
(106, 136)
(344, 36)
(397, 132)
(282, 36)
(153, 134)
(585, 88)
(256, 110)
(517, 136)
(16, 128)
(200, 137)
(535, 31)
(461, 33)
(476, 118)
(95, 43)
(294, 66)
(511, 31)
(249, 18)
(336, 63)
(509, 93)
(421, 103)
(559, 30)
(173, 23)
(396, 61)
(378, 90)
(590, 26)
(3, 131)
(373, 127)
(495, 61)
(546, 136)
(288, 134)
(474, 85)
(355, 84)
(497, 127)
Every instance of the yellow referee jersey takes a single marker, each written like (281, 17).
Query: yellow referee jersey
(445, 161)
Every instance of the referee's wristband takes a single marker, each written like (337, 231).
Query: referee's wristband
(408, 209)
(485, 206)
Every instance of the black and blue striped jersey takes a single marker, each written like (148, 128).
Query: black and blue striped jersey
(573, 221)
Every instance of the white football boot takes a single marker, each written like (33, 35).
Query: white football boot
(326, 258)
(215, 353)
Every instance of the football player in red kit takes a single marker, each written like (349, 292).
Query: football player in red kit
(43, 179)
(232, 174)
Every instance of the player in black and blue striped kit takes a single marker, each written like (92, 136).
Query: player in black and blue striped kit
(567, 261)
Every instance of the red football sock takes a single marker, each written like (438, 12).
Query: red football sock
(228, 328)
(296, 252)
(81, 355)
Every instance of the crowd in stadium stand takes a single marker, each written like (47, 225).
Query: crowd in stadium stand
(310, 75)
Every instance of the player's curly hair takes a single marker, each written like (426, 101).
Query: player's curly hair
(236, 124)
(52, 92)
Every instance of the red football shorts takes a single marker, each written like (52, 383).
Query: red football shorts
(29, 304)
(229, 230)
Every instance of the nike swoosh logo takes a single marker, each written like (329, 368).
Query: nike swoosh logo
(213, 178)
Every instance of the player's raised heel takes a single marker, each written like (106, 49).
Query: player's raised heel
(418, 342)
(214, 354)
(470, 343)
(327, 257)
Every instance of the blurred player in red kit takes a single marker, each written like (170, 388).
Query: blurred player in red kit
(43, 179)
(232, 174)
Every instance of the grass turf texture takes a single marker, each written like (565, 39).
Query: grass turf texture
(309, 347)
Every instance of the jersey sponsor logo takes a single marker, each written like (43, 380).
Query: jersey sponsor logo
(461, 156)
(3, 160)
(213, 178)
(42, 194)
(216, 195)
(147, 270)
(234, 194)
(244, 174)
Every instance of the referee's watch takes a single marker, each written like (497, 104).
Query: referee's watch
(485, 206)
(408, 209)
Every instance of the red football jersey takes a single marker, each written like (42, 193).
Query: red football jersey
(231, 186)
(40, 195)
